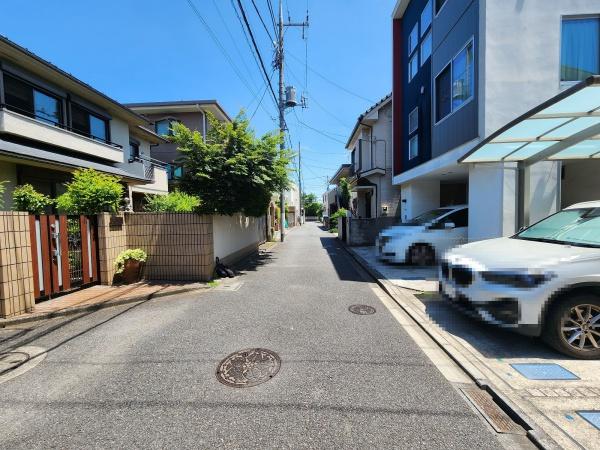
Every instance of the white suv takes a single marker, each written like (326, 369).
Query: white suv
(544, 281)
(423, 239)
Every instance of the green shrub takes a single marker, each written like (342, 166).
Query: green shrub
(172, 202)
(2, 190)
(26, 198)
(333, 220)
(91, 192)
(136, 254)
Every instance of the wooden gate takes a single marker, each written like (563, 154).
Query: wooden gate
(64, 253)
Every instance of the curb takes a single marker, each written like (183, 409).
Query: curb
(537, 436)
(93, 307)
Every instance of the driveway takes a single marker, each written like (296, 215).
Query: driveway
(144, 375)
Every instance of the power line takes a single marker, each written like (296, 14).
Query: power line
(220, 46)
(262, 64)
(348, 91)
(262, 21)
(272, 14)
(316, 130)
(262, 97)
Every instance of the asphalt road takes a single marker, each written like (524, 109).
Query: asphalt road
(143, 375)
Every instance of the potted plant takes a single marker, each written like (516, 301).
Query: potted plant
(129, 264)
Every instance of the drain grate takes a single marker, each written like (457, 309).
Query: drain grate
(247, 368)
(593, 417)
(544, 371)
(497, 418)
(361, 309)
(10, 360)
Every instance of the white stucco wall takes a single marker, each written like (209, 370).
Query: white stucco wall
(8, 173)
(418, 197)
(119, 134)
(235, 233)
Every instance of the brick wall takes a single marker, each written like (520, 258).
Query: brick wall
(179, 245)
(16, 273)
(364, 231)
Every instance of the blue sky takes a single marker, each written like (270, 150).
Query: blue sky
(153, 50)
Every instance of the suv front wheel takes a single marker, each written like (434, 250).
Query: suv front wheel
(573, 326)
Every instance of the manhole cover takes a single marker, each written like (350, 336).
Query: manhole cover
(10, 360)
(247, 368)
(362, 309)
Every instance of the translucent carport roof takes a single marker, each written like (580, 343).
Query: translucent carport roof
(565, 127)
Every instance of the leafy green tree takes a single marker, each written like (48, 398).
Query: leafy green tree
(232, 170)
(344, 193)
(91, 192)
(172, 202)
(26, 198)
(333, 220)
(312, 207)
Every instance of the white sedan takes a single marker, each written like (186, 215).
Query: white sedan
(544, 281)
(421, 240)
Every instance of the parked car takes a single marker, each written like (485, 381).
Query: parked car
(421, 240)
(543, 281)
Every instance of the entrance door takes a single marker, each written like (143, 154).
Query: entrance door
(64, 253)
(368, 200)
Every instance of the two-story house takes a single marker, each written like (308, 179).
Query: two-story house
(464, 68)
(332, 198)
(191, 113)
(52, 123)
(370, 142)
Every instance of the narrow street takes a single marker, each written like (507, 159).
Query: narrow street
(143, 375)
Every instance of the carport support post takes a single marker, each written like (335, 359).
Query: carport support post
(523, 194)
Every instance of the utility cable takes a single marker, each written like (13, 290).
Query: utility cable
(262, 21)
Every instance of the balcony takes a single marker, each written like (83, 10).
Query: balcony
(154, 171)
(20, 125)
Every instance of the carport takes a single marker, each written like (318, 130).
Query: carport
(564, 129)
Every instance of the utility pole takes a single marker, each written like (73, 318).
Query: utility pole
(300, 183)
(282, 99)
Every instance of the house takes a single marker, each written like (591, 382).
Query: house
(373, 194)
(332, 198)
(191, 113)
(51, 123)
(292, 201)
(462, 70)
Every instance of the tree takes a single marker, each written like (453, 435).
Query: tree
(344, 193)
(172, 202)
(91, 192)
(232, 170)
(312, 207)
(26, 198)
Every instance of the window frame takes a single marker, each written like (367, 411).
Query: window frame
(414, 138)
(415, 110)
(563, 18)
(34, 87)
(436, 11)
(134, 143)
(104, 119)
(410, 38)
(410, 60)
(168, 119)
(423, 31)
(429, 34)
(470, 41)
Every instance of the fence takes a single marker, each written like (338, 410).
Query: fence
(356, 232)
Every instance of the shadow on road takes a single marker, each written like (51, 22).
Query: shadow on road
(341, 260)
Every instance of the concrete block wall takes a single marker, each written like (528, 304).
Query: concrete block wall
(16, 273)
(179, 245)
(365, 231)
(112, 240)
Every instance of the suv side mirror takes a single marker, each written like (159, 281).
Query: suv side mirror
(449, 225)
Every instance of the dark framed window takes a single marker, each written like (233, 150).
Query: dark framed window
(580, 48)
(443, 94)
(26, 99)
(134, 150)
(438, 5)
(164, 127)
(88, 124)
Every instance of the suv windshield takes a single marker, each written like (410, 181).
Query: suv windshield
(425, 218)
(579, 227)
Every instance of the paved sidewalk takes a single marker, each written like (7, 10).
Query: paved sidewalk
(101, 296)
(492, 356)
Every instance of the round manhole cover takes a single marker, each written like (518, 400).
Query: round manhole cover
(362, 309)
(247, 368)
(10, 360)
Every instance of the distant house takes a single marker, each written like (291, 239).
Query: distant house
(191, 113)
(51, 123)
(370, 144)
(332, 200)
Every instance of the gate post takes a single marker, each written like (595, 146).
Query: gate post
(16, 270)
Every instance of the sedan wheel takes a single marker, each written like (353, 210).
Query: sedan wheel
(573, 326)
(421, 255)
(580, 327)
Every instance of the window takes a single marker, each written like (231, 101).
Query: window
(134, 150)
(413, 66)
(454, 85)
(413, 39)
(426, 17)
(25, 99)
(413, 147)
(460, 219)
(413, 120)
(438, 5)
(164, 127)
(442, 94)
(580, 48)
(88, 124)
(426, 48)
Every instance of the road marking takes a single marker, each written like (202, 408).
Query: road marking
(451, 371)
